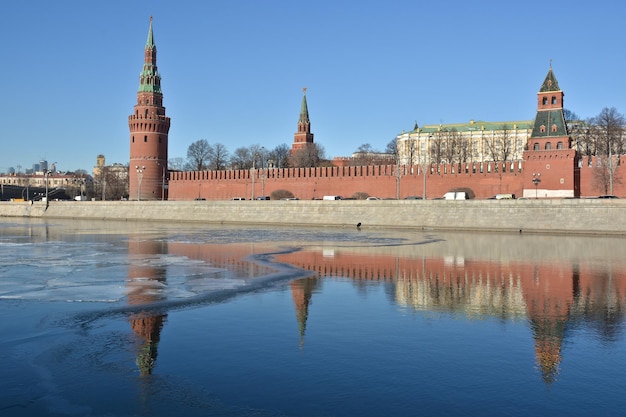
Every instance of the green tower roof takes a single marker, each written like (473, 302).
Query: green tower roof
(304, 110)
(550, 83)
(149, 79)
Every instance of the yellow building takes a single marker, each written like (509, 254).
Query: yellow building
(476, 141)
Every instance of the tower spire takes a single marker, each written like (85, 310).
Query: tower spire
(304, 109)
(150, 80)
(303, 138)
(150, 41)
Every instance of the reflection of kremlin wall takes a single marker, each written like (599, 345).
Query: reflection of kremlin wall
(548, 295)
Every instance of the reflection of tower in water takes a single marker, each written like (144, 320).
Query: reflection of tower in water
(548, 295)
(301, 292)
(146, 278)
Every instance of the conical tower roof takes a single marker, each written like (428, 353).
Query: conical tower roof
(550, 83)
(304, 109)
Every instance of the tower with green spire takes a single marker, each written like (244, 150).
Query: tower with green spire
(550, 168)
(149, 128)
(303, 137)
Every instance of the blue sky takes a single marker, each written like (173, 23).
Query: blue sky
(233, 71)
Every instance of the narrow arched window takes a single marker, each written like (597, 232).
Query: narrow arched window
(559, 145)
(553, 99)
(554, 128)
(544, 101)
(548, 146)
(145, 138)
(536, 147)
(542, 129)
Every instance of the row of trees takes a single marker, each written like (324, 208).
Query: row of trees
(202, 156)
(602, 135)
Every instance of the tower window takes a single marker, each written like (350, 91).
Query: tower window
(133, 139)
(542, 129)
(545, 101)
(554, 128)
(145, 138)
(536, 147)
(553, 99)
(559, 145)
(548, 146)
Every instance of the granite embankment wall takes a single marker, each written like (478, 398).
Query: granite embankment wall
(595, 216)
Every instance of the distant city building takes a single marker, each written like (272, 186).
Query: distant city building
(110, 181)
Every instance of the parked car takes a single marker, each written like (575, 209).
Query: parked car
(456, 195)
(332, 197)
(608, 196)
(502, 197)
(373, 198)
(413, 197)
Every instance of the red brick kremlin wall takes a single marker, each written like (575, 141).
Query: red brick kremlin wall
(381, 181)
(485, 179)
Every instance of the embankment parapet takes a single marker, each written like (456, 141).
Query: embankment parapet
(595, 216)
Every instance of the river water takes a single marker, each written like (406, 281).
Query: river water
(151, 319)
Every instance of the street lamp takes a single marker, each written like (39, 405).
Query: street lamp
(46, 174)
(139, 177)
(163, 167)
(536, 181)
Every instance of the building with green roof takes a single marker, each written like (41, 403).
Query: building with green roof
(475, 141)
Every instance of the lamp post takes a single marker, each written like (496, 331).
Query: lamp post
(162, 180)
(139, 178)
(46, 174)
(536, 181)
(262, 172)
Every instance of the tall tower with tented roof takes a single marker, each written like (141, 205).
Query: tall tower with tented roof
(551, 165)
(149, 128)
(303, 137)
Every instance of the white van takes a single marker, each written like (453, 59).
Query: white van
(332, 197)
(456, 195)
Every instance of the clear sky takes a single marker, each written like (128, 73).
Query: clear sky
(233, 71)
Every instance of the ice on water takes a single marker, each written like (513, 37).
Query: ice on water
(101, 272)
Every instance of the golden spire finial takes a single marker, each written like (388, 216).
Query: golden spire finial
(304, 90)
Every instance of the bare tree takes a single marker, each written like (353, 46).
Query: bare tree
(410, 150)
(610, 129)
(449, 143)
(364, 155)
(436, 148)
(220, 156)
(463, 148)
(609, 125)
(309, 156)
(176, 164)
(279, 156)
(199, 155)
(241, 158)
(500, 144)
(111, 183)
(392, 149)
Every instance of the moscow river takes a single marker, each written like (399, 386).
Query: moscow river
(155, 319)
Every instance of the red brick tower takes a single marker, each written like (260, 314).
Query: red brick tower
(149, 127)
(550, 169)
(303, 137)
